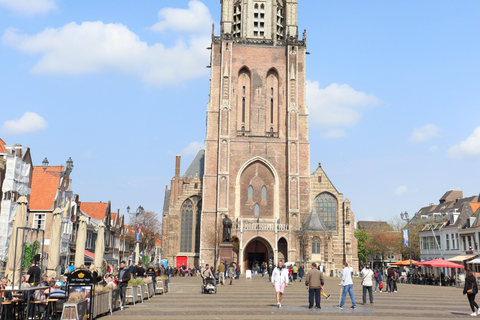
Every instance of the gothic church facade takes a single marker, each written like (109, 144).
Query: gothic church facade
(256, 164)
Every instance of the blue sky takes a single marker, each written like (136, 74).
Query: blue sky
(122, 87)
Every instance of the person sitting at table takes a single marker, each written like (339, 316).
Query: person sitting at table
(6, 295)
(57, 291)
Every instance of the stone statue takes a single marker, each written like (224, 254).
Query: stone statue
(227, 229)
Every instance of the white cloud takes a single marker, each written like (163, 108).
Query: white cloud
(400, 190)
(95, 47)
(192, 148)
(337, 105)
(469, 148)
(433, 148)
(334, 134)
(87, 154)
(29, 7)
(425, 133)
(29, 122)
(195, 19)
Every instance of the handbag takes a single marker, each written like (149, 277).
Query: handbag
(380, 285)
(469, 291)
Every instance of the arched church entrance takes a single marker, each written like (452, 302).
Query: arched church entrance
(257, 251)
(282, 250)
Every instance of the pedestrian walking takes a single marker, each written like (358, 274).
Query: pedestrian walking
(378, 280)
(231, 272)
(280, 281)
(347, 284)
(295, 272)
(123, 278)
(471, 290)
(314, 282)
(367, 283)
(390, 280)
(221, 274)
(300, 273)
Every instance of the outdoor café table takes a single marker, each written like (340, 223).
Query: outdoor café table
(30, 289)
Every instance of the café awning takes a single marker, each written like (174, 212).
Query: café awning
(440, 263)
(463, 258)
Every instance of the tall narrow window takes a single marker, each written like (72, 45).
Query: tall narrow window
(315, 245)
(243, 104)
(243, 109)
(272, 102)
(186, 226)
(257, 210)
(264, 193)
(271, 110)
(250, 193)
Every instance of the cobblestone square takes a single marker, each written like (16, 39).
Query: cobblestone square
(255, 299)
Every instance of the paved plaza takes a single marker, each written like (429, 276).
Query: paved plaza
(255, 299)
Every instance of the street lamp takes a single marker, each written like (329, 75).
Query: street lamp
(61, 174)
(404, 216)
(139, 211)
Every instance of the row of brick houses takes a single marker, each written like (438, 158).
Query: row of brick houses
(49, 188)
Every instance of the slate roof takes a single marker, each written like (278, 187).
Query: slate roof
(313, 222)
(44, 188)
(197, 164)
(95, 210)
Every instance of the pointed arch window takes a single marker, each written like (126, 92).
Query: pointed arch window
(316, 245)
(326, 206)
(250, 193)
(264, 193)
(257, 210)
(187, 226)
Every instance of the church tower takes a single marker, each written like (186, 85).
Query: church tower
(257, 154)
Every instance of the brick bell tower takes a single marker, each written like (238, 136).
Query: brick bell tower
(257, 154)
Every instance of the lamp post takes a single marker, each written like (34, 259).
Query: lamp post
(139, 211)
(61, 174)
(404, 216)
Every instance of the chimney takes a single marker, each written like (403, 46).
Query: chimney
(177, 166)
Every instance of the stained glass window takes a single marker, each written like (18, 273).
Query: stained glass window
(326, 206)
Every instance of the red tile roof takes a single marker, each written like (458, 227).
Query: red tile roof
(95, 210)
(2, 146)
(44, 188)
(475, 206)
(158, 242)
(113, 215)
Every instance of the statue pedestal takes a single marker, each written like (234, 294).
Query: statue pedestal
(226, 252)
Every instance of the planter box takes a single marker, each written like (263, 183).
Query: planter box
(140, 293)
(115, 298)
(74, 310)
(146, 294)
(101, 303)
(131, 294)
(160, 289)
(151, 290)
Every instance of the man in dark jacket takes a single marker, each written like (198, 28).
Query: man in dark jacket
(314, 282)
(169, 272)
(123, 278)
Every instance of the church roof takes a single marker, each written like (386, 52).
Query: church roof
(313, 222)
(197, 165)
(166, 200)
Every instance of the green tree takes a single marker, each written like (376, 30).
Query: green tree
(363, 251)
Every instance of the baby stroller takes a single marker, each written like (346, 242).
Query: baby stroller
(209, 285)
